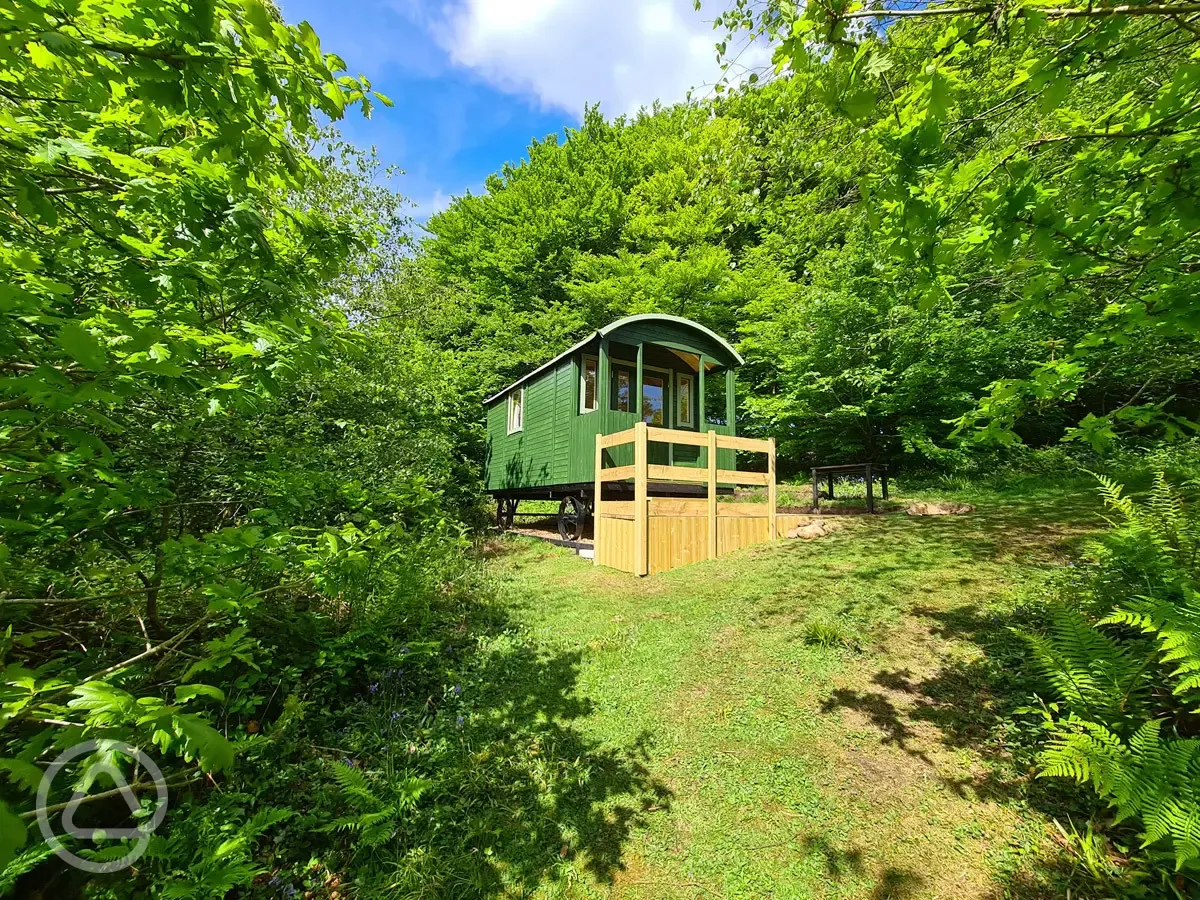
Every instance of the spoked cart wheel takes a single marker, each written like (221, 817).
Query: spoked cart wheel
(572, 517)
(505, 510)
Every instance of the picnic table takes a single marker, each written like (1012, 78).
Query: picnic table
(867, 470)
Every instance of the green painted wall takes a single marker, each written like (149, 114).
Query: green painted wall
(557, 445)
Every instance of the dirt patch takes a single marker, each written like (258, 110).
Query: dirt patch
(938, 509)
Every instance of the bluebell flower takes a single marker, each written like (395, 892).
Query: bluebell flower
(460, 721)
(374, 688)
(457, 689)
(395, 715)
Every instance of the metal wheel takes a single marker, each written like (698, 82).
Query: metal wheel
(572, 516)
(505, 509)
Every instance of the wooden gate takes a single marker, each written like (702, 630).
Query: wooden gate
(655, 534)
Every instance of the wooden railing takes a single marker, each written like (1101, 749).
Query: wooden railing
(643, 536)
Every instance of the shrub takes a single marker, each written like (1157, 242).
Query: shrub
(1122, 654)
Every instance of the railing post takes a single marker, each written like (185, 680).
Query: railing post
(771, 499)
(712, 494)
(641, 505)
(596, 503)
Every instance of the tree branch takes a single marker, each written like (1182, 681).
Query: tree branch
(1062, 12)
(104, 795)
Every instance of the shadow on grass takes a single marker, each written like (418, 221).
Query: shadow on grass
(893, 883)
(972, 700)
(522, 797)
(972, 703)
(838, 862)
(976, 704)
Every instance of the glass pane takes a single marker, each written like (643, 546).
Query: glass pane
(589, 384)
(714, 396)
(653, 394)
(685, 400)
(622, 381)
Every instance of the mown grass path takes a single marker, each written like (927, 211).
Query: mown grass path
(861, 756)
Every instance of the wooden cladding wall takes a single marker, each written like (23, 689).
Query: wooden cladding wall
(648, 535)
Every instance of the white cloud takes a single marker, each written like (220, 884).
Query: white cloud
(429, 206)
(623, 53)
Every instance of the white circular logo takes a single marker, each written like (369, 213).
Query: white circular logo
(140, 835)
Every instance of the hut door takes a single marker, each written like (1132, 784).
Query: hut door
(655, 406)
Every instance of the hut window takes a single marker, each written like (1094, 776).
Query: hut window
(622, 389)
(685, 399)
(588, 379)
(654, 389)
(516, 411)
(714, 396)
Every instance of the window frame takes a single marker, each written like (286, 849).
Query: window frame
(613, 365)
(667, 405)
(519, 407)
(680, 377)
(584, 409)
(715, 382)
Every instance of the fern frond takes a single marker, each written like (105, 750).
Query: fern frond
(265, 818)
(354, 784)
(1113, 495)
(1099, 678)
(1164, 506)
(1091, 754)
(1152, 779)
(373, 837)
(1175, 625)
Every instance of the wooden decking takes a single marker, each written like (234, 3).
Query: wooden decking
(647, 535)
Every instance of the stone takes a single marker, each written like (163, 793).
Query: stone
(924, 508)
(817, 528)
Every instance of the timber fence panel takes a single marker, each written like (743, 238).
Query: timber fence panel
(648, 535)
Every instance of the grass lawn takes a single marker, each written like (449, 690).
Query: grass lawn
(820, 719)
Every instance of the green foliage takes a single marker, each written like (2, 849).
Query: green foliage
(213, 486)
(211, 856)
(1040, 156)
(1151, 779)
(374, 819)
(1097, 676)
(776, 218)
(1127, 679)
(831, 634)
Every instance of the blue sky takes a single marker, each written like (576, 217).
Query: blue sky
(475, 80)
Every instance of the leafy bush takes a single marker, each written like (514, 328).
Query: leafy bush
(1122, 654)
(222, 505)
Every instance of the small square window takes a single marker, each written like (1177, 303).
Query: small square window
(516, 411)
(588, 380)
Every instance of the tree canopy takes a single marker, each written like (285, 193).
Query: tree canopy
(240, 395)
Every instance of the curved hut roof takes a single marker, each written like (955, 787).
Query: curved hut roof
(613, 330)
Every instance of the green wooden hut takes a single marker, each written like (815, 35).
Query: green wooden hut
(664, 370)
